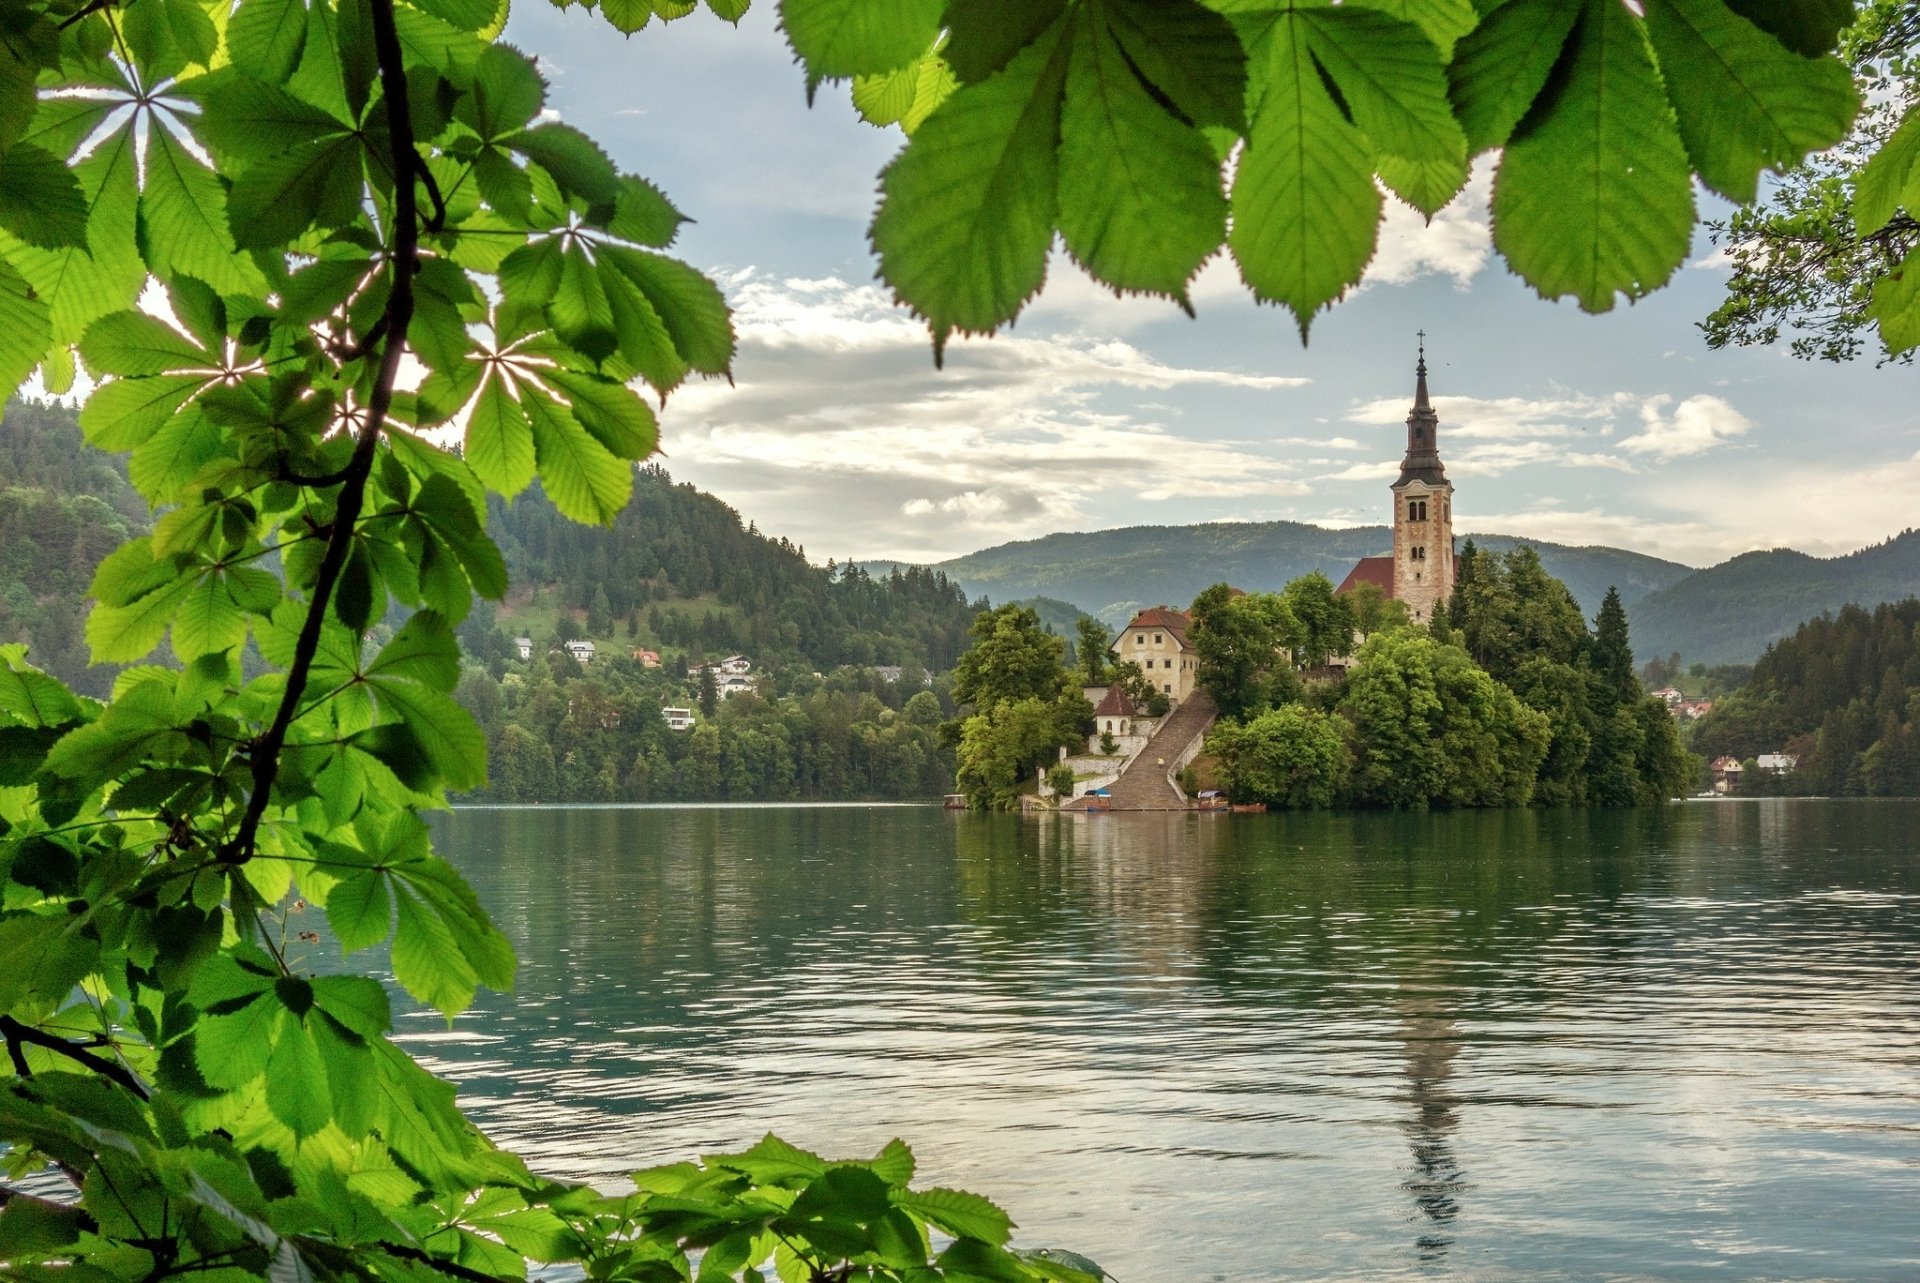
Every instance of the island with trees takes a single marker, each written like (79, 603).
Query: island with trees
(235, 226)
(1508, 697)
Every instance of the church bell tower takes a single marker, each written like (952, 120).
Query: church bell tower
(1422, 510)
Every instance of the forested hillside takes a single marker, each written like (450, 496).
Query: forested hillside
(558, 733)
(63, 506)
(1111, 573)
(679, 569)
(1729, 613)
(1842, 694)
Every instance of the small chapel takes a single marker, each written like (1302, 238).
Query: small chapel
(1420, 570)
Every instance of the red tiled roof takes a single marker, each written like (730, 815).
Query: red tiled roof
(1115, 703)
(1377, 571)
(1168, 620)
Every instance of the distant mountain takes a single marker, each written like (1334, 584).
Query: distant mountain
(1730, 613)
(1111, 573)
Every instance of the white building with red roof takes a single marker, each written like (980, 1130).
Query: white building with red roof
(1156, 639)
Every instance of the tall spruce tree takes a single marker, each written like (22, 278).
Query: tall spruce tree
(1612, 651)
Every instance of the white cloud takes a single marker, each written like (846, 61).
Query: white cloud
(1695, 426)
(1328, 443)
(837, 396)
(1717, 259)
(1377, 470)
(1465, 418)
(976, 505)
(1457, 242)
(1821, 508)
(1684, 539)
(1486, 436)
(1075, 299)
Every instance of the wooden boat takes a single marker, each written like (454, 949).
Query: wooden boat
(1248, 808)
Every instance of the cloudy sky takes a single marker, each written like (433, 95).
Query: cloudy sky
(1096, 412)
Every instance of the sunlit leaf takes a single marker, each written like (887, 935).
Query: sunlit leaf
(1593, 197)
(966, 212)
(1305, 210)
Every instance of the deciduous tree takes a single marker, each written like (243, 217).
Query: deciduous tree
(1292, 757)
(1241, 642)
(242, 220)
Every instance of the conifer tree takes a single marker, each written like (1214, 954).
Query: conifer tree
(1613, 652)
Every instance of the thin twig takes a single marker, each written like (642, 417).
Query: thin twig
(17, 1033)
(437, 221)
(397, 318)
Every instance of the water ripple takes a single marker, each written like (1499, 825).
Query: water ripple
(1676, 1044)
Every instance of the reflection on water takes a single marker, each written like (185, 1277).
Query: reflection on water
(1681, 1043)
(1437, 1183)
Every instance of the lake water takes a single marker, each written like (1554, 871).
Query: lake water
(1669, 1044)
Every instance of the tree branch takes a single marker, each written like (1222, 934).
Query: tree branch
(396, 319)
(17, 1033)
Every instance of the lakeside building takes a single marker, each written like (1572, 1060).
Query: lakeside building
(1420, 569)
(1156, 639)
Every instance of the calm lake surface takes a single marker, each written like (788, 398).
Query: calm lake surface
(1670, 1044)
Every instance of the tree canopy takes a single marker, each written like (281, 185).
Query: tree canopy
(1021, 704)
(1842, 696)
(1505, 698)
(1827, 258)
(242, 222)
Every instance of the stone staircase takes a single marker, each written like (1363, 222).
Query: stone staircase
(1143, 785)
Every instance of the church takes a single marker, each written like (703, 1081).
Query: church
(1420, 570)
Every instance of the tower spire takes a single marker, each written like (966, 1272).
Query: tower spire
(1420, 376)
(1423, 428)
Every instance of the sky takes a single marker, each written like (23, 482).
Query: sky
(1095, 412)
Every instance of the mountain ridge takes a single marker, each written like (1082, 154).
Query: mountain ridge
(1110, 573)
(1729, 613)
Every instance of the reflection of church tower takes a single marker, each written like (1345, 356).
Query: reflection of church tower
(1422, 511)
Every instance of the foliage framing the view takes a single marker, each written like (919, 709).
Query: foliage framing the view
(243, 221)
(1832, 255)
(1147, 134)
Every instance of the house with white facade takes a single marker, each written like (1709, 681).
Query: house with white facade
(678, 719)
(1156, 640)
(525, 646)
(581, 650)
(728, 685)
(731, 676)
